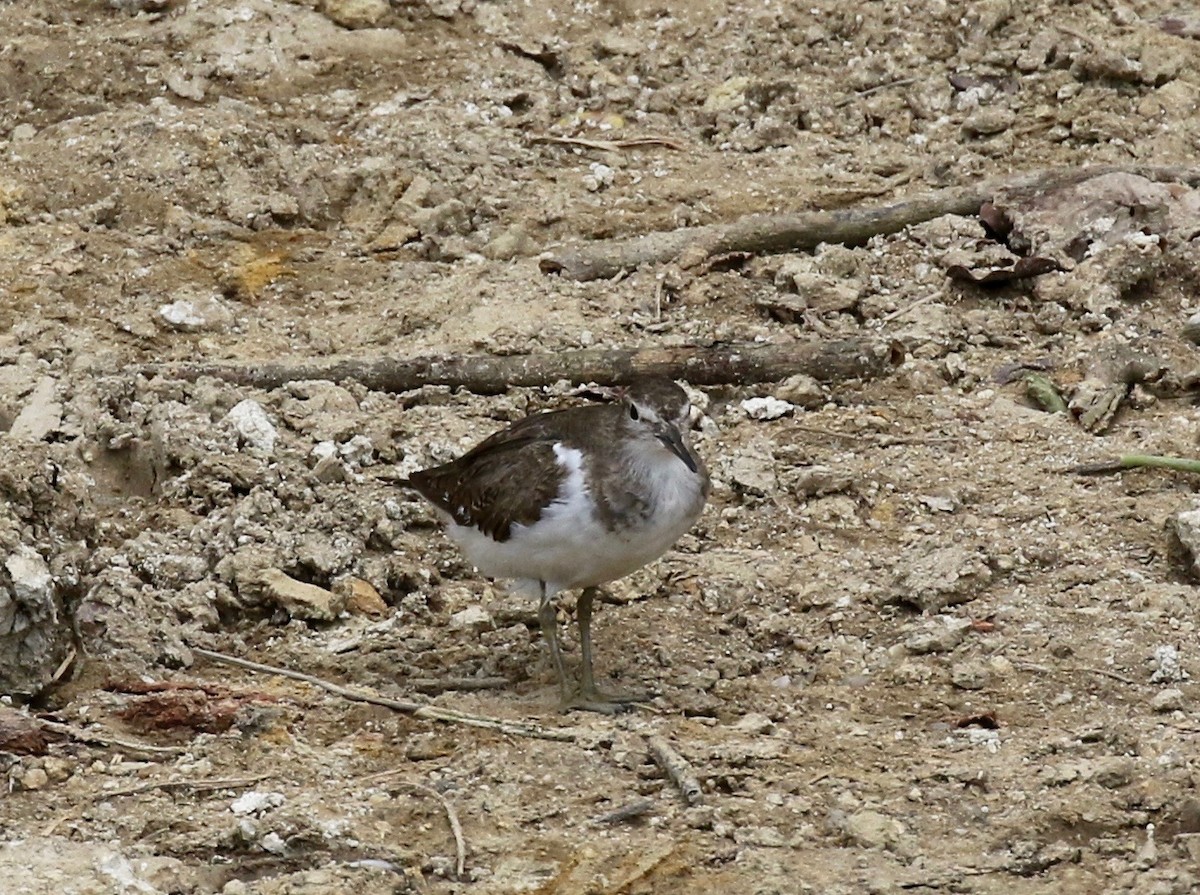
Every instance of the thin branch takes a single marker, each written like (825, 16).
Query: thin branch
(107, 739)
(1116, 676)
(676, 767)
(416, 709)
(1137, 461)
(718, 364)
(870, 91)
(203, 785)
(460, 847)
(433, 685)
(625, 813)
(804, 230)
(900, 312)
(611, 145)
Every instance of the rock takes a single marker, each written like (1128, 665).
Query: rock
(361, 597)
(819, 481)
(1191, 329)
(446, 218)
(358, 451)
(187, 85)
(751, 470)
(32, 582)
(938, 635)
(1183, 542)
(802, 390)
(763, 837)
(970, 675)
(599, 177)
(1169, 700)
(355, 13)
(34, 778)
(300, 600)
(755, 724)
(870, 829)
(256, 802)
(394, 236)
(941, 577)
(474, 619)
(42, 413)
(1168, 668)
(727, 95)
(199, 313)
(514, 242)
(1113, 773)
(767, 408)
(1038, 51)
(330, 470)
(253, 426)
(988, 121)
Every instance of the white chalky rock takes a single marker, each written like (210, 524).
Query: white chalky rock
(767, 408)
(256, 802)
(251, 422)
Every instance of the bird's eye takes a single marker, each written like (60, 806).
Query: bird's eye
(633, 411)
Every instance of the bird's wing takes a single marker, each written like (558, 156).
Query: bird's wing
(508, 478)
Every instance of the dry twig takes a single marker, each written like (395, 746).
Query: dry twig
(624, 813)
(1137, 461)
(719, 364)
(611, 145)
(793, 231)
(1116, 676)
(460, 847)
(871, 91)
(203, 785)
(416, 709)
(107, 739)
(676, 767)
(900, 312)
(433, 685)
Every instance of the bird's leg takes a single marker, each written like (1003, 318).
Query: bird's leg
(588, 697)
(583, 613)
(548, 619)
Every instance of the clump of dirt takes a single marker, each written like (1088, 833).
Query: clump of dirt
(903, 647)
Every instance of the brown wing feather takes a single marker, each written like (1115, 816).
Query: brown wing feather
(507, 478)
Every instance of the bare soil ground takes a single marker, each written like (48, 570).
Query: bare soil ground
(901, 650)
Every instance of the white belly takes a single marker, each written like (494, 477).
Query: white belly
(569, 547)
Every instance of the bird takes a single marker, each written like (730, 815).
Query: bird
(573, 499)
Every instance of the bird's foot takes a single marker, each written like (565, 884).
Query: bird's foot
(592, 699)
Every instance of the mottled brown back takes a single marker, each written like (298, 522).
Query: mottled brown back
(511, 476)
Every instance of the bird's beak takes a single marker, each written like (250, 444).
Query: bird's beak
(670, 437)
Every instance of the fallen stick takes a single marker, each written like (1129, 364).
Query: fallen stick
(795, 231)
(625, 813)
(416, 709)
(1137, 461)
(460, 846)
(611, 145)
(722, 364)
(107, 739)
(676, 767)
(199, 785)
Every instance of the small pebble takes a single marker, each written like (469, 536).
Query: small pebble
(252, 424)
(1169, 700)
(34, 778)
(255, 802)
(767, 408)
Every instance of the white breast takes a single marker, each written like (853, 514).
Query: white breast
(569, 547)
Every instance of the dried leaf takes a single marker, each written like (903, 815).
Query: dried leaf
(1020, 269)
(986, 720)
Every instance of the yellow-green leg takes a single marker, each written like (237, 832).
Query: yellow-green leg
(588, 697)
